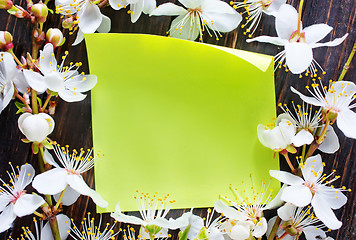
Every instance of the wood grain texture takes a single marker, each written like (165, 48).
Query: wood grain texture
(73, 120)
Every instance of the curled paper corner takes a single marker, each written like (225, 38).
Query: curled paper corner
(261, 61)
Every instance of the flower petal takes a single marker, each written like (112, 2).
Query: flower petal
(286, 21)
(286, 212)
(260, 228)
(302, 137)
(8, 93)
(35, 128)
(228, 212)
(50, 122)
(331, 142)
(312, 232)
(64, 226)
(89, 17)
(168, 9)
(312, 169)
(35, 80)
(276, 201)
(286, 177)
(81, 83)
(299, 56)
(7, 217)
(299, 195)
(78, 184)
(310, 100)
(54, 81)
(333, 197)
(105, 25)
(346, 123)
(27, 173)
(47, 61)
(196, 224)
(324, 213)
(117, 4)
(20, 82)
(118, 216)
(97, 199)
(49, 159)
(71, 96)
(267, 39)
(182, 27)
(51, 182)
(222, 22)
(149, 6)
(70, 196)
(274, 7)
(79, 38)
(136, 10)
(240, 231)
(333, 43)
(191, 3)
(316, 32)
(27, 204)
(173, 223)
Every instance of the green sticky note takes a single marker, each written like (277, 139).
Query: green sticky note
(177, 117)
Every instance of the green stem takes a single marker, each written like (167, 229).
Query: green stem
(347, 64)
(46, 102)
(54, 227)
(60, 199)
(323, 133)
(303, 152)
(275, 228)
(34, 102)
(285, 154)
(300, 15)
(14, 56)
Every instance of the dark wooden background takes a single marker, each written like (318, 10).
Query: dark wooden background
(73, 120)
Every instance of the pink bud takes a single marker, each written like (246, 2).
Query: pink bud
(68, 23)
(6, 4)
(55, 36)
(40, 11)
(6, 41)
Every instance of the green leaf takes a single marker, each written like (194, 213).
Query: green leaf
(39, 101)
(47, 144)
(35, 148)
(50, 10)
(153, 229)
(19, 105)
(183, 235)
(25, 140)
(203, 233)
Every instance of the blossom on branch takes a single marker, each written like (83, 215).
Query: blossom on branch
(254, 10)
(298, 46)
(312, 188)
(14, 201)
(295, 222)
(88, 16)
(153, 211)
(65, 178)
(211, 16)
(8, 72)
(136, 7)
(64, 80)
(336, 102)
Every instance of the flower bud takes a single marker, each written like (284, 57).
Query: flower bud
(6, 41)
(68, 23)
(36, 127)
(6, 4)
(40, 11)
(55, 36)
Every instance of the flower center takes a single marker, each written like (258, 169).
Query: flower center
(72, 172)
(311, 186)
(297, 37)
(17, 195)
